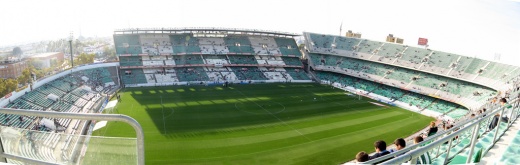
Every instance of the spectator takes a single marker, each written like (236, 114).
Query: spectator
(380, 147)
(361, 156)
(433, 129)
(503, 101)
(399, 145)
(494, 122)
(424, 158)
(417, 139)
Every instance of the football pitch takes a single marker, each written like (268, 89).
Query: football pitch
(258, 124)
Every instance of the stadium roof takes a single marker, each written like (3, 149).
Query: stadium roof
(208, 30)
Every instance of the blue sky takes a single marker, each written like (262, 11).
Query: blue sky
(472, 28)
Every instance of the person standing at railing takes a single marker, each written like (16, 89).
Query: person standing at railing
(494, 122)
(433, 129)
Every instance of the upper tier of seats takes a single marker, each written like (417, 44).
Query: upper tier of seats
(287, 46)
(238, 44)
(155, 44)
(166, 44)
(487, 73)
(184, 44)
(127, 44)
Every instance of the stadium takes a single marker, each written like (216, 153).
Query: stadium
(249, 96)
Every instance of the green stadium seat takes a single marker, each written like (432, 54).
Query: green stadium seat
(242, 59)
(297, 74)
(191, 74)
(248, 73)
(287, 46)
(292, 61)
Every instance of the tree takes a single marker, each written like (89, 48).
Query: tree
(11, 85)
(301, 46)
(84, 58)
(110, 53)
(7, 86)
(2, 89)
(17, 51)
(25, 77)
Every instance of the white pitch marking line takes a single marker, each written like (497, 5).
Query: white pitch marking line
(164, 121)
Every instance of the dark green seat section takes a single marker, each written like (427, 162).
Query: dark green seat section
(248, 73)
(316, 58)
(127, 44)
(130, 61)
(187, 59)
(369, 47)
(297, 74)
(242, 59)
(238, 44)
(133, 76)
(288, 46)
(321, 40)
(292, 61)
(192, 74)
(184, 44)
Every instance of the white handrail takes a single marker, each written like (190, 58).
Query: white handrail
(82, 116)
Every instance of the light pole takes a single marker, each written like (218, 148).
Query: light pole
(70, 45)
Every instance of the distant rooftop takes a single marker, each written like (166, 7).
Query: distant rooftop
(209, 30)
(10, 60)
(44, 55)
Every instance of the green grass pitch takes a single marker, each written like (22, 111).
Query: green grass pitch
(257, 124)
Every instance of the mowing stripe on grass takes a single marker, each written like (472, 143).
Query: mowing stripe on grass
(205, 126)
(320, 144)
(222, 142)
(275, 116)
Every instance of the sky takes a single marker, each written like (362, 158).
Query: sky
(476, 28)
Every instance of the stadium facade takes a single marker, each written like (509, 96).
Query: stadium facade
(426, 81)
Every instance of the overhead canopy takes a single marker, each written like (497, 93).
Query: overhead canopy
(109, 83)
(87, 88)
(53, 97)
(84, 78)
(48, 123)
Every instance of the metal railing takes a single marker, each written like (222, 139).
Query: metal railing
(452, 136)
(82, 116)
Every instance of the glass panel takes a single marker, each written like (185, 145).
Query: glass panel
(67, 148)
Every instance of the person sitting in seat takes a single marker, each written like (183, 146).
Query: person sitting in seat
(399, 145)
(361, 156)
(380, 147)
